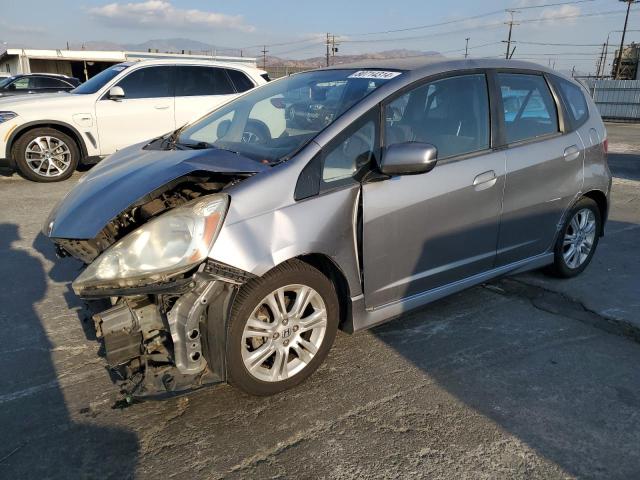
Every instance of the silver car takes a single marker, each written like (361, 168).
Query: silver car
(234, 248)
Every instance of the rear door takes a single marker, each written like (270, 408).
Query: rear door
(421, 232)
(200, 89)
(146, 111)
(544, 165)
(51, 85)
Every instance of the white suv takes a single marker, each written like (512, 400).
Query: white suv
(45, 138)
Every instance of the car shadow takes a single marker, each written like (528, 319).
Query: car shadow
(625, 165)
(564, 389)
(39, 438)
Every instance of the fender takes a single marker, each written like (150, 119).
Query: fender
(43, 123)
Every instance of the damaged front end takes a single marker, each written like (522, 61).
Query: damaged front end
(144, 223)
(172, 340)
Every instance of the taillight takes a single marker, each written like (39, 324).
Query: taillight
(605, 145)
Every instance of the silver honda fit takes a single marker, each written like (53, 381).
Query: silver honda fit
(234, 248)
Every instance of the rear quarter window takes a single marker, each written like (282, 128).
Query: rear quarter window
(573, 96)
(240, 80)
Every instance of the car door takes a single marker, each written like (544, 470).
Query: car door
(544, 166)
(200, 89)
(146, 111)
(424, 231)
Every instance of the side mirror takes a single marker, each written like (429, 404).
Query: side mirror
(409, 158)
(116, 93)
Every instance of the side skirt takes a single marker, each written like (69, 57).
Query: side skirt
(364, 318)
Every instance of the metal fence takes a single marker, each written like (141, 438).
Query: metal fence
(284, 71)
(615, 99)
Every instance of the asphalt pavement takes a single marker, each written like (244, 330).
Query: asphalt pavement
(525, 377)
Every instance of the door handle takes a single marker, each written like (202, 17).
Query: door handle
(571, 153)
(485, 180)
(161, 107)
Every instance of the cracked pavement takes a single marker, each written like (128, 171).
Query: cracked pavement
(526, 377)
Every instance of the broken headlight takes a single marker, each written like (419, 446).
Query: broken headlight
(169, 244)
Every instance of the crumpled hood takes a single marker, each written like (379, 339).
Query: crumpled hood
(126, 177)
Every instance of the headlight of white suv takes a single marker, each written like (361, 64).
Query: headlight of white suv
(165, 246)
(4, 116)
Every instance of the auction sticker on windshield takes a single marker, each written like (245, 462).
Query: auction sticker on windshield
(375, 74)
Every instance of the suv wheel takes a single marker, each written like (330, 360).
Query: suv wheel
(281, 328)
(577, 240)
(46, 155)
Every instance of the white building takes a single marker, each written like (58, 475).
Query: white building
(83, 64)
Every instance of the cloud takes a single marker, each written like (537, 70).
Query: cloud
(560, 12)
(160, 13)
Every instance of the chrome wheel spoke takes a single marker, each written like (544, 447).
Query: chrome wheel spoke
(304, 355)
(303, 297)
(261, 355)
(258, 328)
(277, 304)
(315, 320)
(279, 370)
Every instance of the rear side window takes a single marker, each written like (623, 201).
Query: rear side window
(200, 81)
(528, 107)
(240, 80)
(48, 82)
(576, 103)
(452, 114)
(148, 82)
(24, 83)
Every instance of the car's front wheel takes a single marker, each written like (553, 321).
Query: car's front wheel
(577, 240)
(281, 328)
(46, 155)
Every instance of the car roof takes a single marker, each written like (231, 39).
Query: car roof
(432, 64)
(56, 75)
(179, 61)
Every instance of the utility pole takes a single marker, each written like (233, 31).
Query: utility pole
(328, 47)
(624, 31)
(511, 23)
(334, 47)
(466, 48)
(600, 64)
(264, 57)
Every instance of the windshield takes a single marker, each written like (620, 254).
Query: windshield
(100, 80)
(6, 81)
(272, 122)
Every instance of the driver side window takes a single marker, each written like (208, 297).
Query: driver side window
(351, 150)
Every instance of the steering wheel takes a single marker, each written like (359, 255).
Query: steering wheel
(255, 133)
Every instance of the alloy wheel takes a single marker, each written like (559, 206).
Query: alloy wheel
(579, 238)
(48, 156)
(283, 333)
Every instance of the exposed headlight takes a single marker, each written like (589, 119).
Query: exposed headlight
(4, 116)
(169, 244)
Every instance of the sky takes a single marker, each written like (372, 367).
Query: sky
(296, 28)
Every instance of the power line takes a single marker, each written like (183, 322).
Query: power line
(464, 19)
(544, 44)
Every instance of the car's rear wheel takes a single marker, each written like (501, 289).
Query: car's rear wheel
(46, 155)
(577, 240)
(281, 328)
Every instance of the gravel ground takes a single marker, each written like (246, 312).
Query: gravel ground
(525, 377)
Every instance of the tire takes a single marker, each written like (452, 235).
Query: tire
(60, 155)
(290, 339)
(566, 265)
